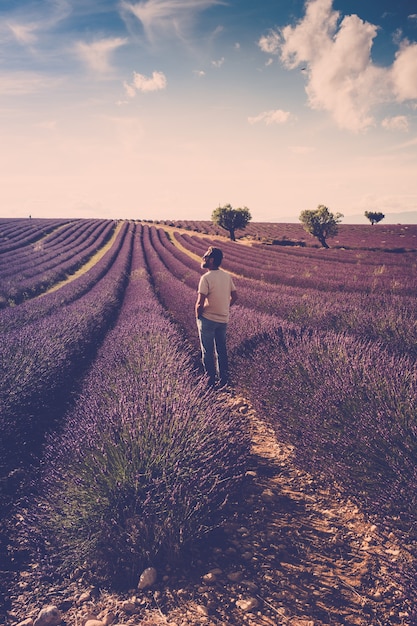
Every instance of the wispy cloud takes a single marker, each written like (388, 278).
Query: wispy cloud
(96, 55)
(25, 34)
(24, 83)
(271, 117)
(399, 122)
(145, 84)
(167, 18)
(26, 23)
(341, 77)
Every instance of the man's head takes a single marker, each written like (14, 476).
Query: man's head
(212, 258)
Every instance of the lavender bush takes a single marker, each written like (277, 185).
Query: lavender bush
(148, 456)
(348, 406)
(42, 360)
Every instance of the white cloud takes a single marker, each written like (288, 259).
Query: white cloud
(146, 84)
(218, 63)
(271, 43)
(130, 90)
(399, 122)
(271, 117)
(342, 78)
(97, 54)
(167, 17)
(404, 73)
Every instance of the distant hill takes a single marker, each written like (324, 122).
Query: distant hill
(406, 217)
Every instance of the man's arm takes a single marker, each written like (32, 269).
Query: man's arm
(233, 297)
(199, 305)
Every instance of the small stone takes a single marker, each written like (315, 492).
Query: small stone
(48, 616)
(84, 597)
(147, 578)
(26, 622)
(88, 616)
(94, 622)
(209, 578)
(267, 495)
(250, 585)
(216, 571)
(247, 605)
(202, 609)
(235, 577)
(128, 606)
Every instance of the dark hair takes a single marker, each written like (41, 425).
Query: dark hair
(216, 254)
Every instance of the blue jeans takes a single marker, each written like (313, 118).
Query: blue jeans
(213, 350)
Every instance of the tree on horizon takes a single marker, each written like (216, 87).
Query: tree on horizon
(374, 217)
(321, 223)
(231, 219)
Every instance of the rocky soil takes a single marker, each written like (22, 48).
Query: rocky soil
(290, 553)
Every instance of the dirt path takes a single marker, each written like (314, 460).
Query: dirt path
(289, 553)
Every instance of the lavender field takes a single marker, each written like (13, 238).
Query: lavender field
(106, 421)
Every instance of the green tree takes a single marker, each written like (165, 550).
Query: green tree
(374, 217)
(231, 219)
(321, 223)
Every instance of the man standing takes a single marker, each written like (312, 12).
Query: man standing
(216, 293)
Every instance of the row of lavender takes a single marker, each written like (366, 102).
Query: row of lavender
(48, 349)
(27, 255)
(33, 268)
(393, 237)
(346, 403)
(13, 318)
(331, 270)
(384, 317)
(147, 456)
(17, 232)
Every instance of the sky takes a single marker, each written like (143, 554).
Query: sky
(167, 109)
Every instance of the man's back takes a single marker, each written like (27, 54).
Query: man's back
(217, 285)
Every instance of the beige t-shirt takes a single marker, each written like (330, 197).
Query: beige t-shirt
(217, 286)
